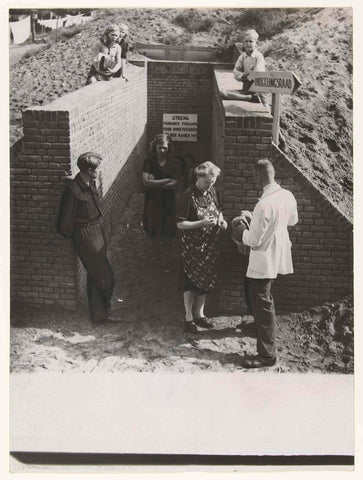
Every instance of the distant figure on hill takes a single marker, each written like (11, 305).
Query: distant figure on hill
(106, 56)
(79, 220)
(123, 41)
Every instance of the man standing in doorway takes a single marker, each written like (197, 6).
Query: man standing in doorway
(270, 255)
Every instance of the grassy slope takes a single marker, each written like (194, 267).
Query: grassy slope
(315, 43)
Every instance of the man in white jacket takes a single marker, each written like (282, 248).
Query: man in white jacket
(270, 255)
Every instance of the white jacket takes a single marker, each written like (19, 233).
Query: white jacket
(268, 237)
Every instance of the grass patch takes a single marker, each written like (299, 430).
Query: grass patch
(35, 51)
(266, 21)
(63, 33)
(176, 39)
(193, 21)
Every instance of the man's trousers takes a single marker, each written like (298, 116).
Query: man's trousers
(261, 304)
(90, 245)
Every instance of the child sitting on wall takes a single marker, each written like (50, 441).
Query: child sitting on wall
(106, 56)
(250, 60)
(123, 41)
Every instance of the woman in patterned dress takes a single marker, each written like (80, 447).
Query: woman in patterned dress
(200, 220)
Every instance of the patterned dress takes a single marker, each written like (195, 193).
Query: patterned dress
(201, 246)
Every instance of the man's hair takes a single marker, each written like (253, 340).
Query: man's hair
(88, 160)
(264, 166)
(251, 33)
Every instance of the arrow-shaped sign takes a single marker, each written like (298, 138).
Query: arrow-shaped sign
(274, 82)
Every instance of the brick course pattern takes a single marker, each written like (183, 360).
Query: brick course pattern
(322, 240)
(108, 118)
(181, 87)
(118, 120)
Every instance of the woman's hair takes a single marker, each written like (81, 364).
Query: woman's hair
(88, 160)
(161, 138)
(124, 27)
(111, 28)
(207, 168)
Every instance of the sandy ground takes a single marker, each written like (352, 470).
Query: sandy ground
(146, 332)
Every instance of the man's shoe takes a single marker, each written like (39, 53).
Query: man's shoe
(255, 98)
(204, 322)
(258, 362)
(191, 327)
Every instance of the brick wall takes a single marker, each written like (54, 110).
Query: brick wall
(108, 118)
(322, 240)
(111, 118)
(217, 134)
(178, 87)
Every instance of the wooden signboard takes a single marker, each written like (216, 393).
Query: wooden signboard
(182, 127)
(277, 83)
(274, 82)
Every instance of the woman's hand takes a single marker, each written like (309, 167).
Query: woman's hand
(222, 224)
(209, 221)
(170, 185)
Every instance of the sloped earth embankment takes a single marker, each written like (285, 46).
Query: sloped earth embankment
(317, 120)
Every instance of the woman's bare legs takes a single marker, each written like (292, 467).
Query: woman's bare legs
(188, 305)
(199, 303)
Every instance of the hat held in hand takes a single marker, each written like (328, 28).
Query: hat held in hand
(239, 225)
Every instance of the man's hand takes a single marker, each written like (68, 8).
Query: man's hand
(245, 218)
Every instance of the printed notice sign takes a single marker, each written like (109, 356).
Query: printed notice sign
(182, 127)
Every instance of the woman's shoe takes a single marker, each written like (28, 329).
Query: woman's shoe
(204, 322)
(191, 327)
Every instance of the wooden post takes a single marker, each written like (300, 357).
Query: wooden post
(276, 117)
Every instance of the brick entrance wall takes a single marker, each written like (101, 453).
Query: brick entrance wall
(181, 87)
(108, 118)
(322, 240)
(118, 120)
